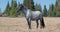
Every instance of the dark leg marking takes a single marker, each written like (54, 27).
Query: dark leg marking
(37, 23)
(42, 23)
(29, 23)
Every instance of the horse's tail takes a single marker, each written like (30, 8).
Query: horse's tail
(42, 23)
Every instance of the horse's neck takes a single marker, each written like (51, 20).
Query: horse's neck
(25, 11)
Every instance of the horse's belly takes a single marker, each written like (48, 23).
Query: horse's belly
(35, 17)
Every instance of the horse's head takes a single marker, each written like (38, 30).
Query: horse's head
(20, 7)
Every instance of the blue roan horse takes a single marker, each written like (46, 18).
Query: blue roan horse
(32, 15)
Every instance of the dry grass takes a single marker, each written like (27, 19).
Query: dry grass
(20, 25)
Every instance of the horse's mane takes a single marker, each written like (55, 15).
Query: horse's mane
(26, 8)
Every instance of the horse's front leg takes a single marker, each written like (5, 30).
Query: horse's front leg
(29, 23)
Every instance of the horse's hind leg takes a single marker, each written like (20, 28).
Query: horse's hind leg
(42, 22)
(37, 23)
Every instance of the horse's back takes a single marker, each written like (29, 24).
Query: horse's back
(36, 12)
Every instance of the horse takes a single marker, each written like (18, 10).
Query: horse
(32, 15)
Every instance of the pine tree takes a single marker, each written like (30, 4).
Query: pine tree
(45, 11)
(18, 13)
(38, 7)
(32, 5)
(13, 11)
(51, 11)
(0, 13)
(7, 10)
(55, 8)
(29, 4)
(58, 8)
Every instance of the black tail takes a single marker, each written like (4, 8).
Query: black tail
(42, 23)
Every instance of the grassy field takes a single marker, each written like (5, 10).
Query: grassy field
(20, 24)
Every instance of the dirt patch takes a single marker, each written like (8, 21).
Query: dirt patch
(20, 25)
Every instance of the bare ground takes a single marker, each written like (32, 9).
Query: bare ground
(20, 25)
